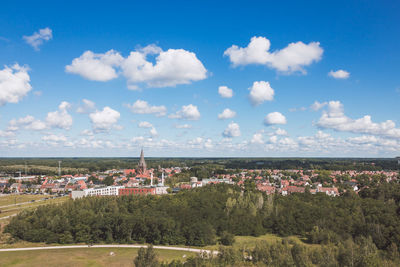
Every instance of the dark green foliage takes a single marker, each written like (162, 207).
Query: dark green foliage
(227, 239)
(198, 217)
(109, 180)
(147, 257)
(193, 217)
(280, 254)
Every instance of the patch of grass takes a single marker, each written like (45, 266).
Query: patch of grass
(81, 257)
(15, 209)
(13, 198)
(251, 241)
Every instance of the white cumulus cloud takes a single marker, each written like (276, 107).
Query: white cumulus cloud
(274, 118)
(225, 92)
(7, 133)
(289, 59)
(280, 131)
(233, 130)
(339, 74)
(172, 67)
(54, 138)
(317, 105)
(153, 132)
(261, 91)
(189, 112)
(87, 106)
(60, 118)
(28, 123)
(334, 118)
(227, 114)
(145, 124)
(104, 120)
(96, 67)
(37, 38)
(183, 126)
(257, 139)
(14, 84)
(143, 107)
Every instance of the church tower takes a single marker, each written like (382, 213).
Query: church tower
(142, 164)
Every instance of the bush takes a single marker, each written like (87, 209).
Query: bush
(147, 257)
(227, 239)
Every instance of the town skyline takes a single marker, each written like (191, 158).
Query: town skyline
(252, 81)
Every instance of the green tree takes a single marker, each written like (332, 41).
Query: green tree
(147, 257)
(109, 180)
(227, 239)
(300, 255)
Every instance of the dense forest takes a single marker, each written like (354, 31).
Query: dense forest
(206, 215)
(208, 166)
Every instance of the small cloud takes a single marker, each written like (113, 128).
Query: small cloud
(145, 124)
(317, 105)
(257, 139)
(183, 126)
(292, 58)
(233, 130)
(96, 67)
(274, 118)
(153, 132)
(227, 114)
(225, 92)
(261, 91)
(339, 74)
(37, 38)
(143, 107)
(86, 107)
(60, 118)
(14, 84)
(189, 112)
(104, 120)
(297, 109)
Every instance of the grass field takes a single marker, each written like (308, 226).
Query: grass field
(7, 211)
(81, 257)
(101, 256)
(251, 241)
(12, 199)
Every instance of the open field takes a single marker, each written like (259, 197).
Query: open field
(16, 199)
(11, 210)
(81, 257)
(101, 256)
(251, 241)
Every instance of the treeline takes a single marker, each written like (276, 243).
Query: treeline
(202, 216)
(314, 164)
(361, 253)
(202, 167)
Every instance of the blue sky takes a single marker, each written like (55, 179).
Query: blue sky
(327, 78)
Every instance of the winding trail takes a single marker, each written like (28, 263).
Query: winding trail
(196, 250)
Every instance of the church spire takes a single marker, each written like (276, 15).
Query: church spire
(142, 164)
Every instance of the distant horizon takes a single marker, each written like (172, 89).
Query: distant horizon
(152, 157)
